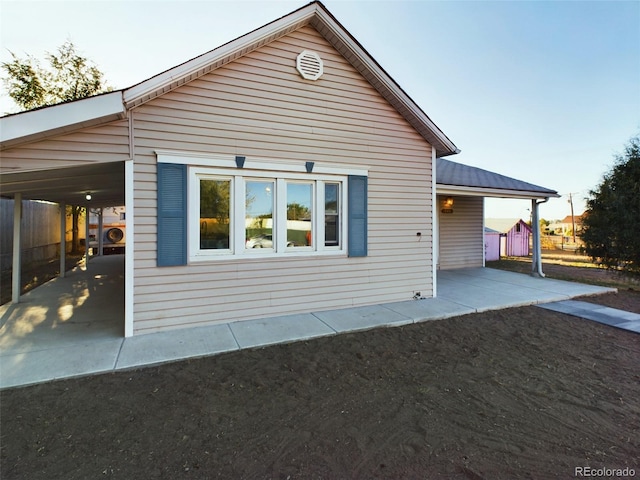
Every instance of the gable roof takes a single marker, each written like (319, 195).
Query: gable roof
(23, 127)
(570, 219)
(452, 177)
(503, 225)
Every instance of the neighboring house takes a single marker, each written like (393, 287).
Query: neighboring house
(515, 236)
(291, 137)
(565, 226)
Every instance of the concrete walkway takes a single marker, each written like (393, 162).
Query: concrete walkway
(74, 326)
(598, 313)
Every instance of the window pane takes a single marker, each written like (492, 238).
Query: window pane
(259, 214)
(215, 200)
(331, 214)
(299, 214)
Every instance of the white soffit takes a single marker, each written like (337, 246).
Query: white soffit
(60, 118)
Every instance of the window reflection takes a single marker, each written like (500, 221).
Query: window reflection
(215, 199)
(332, 214)
(299, 214)
(259, 201)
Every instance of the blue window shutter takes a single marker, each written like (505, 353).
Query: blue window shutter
(172, 214)
(357, 216)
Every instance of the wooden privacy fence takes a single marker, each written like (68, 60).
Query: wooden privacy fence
(40, 231)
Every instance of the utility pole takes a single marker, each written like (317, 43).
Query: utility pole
(573, 222)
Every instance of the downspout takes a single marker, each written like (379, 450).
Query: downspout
(536, 264)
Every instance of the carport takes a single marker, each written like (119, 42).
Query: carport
(461, 190)
(45, 158)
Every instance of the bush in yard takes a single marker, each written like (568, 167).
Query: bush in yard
(611, 224)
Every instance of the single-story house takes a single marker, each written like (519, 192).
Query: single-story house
(566, 226)
(283, 172)
(515, 235)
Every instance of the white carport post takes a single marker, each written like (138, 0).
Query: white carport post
(63, 239)
(99, 235)
(17, 248)
(536, 254)
(86, 237)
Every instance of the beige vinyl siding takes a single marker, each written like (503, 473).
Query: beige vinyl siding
(461, 233)
(105, 143)
(258, 106)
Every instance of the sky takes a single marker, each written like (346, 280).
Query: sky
(544, 91)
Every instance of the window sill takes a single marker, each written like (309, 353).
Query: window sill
(264, 256)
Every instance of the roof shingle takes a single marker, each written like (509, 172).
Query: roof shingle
(452, 173)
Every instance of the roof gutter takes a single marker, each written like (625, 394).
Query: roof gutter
(493, 192)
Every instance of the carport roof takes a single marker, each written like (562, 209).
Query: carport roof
(453, 177)
(105, 182)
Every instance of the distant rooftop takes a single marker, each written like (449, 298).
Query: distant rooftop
(502, 225)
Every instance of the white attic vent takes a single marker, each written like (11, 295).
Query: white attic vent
(309, 65)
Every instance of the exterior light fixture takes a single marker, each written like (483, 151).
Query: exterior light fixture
(88, 196)
(447, 205)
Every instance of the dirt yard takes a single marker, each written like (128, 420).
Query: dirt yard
(517, 393)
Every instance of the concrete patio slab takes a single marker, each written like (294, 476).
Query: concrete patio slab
(362, 318)
(38, 366)
(86, 305)
(428, 309)
(257, 333)
(74, 326)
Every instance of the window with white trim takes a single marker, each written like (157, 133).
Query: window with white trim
(245, 213)
(214, 194)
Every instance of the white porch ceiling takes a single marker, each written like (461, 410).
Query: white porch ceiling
(105, 182)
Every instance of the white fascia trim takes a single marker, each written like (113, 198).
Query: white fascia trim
(386, 80)
(491, 192)
(55, 117)
(256, 163)
(159, 82)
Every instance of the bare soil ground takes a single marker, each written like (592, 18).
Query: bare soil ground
(517, 393)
